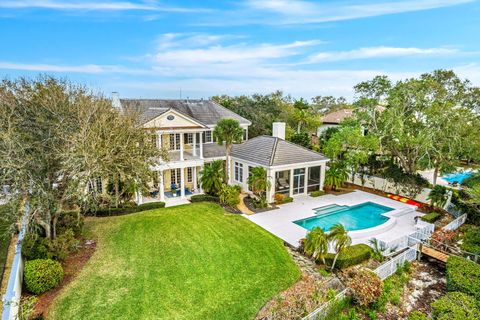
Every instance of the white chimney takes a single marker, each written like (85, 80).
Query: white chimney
(116, 101)
(279, 130)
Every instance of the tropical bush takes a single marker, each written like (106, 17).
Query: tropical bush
(316, 244)
(438, 196)
(456, 306)
(431, 217)
(258, 181)
(72, 220)
(204, 197)
(281, 198)
(340, 239)
(34, 246)
(42, 275)
(417, 315)
(317, 193)
(464, 276)
(150, 206)
(60, 247)
(336, 175)
(366, 287)
(378, 250)
(260, 202)
(350, 256)
(212, 177)
(230, 195)
(471, 240)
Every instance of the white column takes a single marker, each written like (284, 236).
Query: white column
(182, 182)
(306, 181)
(194, 145)
(194, 177)
(161, 187)
(322, 175)
(246, 136)
(201, 145)
(271, 190)
(159, 141)
(181, 146)
(291, 182)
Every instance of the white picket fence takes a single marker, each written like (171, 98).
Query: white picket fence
(390, 267)
(11, 299)
(455, 224)
(323, 311)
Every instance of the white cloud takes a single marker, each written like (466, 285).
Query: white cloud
(278, 12)
(92, 6)
(379, 52)
(87, 68)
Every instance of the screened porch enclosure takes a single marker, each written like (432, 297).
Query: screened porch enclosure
(298, 181)
(282, 182)
(313, 183)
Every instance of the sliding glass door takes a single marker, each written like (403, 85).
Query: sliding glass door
(298, 181)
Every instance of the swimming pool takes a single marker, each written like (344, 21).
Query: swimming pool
(358, 217)
(457, 177)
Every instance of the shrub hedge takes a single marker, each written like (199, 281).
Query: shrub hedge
(42, 275)
(317, 193)
(366, 287)
(455, 306)
(471, 240)
(349, 256)
(204, 197)
(464, 276)
(431, 217)
(126, 210)
(417, 315)
(70, 220)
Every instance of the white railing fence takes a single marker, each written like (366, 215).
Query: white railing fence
(455, 224)
(390, 267)
(323, 311)
(424, 232)
(11, 299)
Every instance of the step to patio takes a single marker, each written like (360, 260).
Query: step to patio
(330, 209)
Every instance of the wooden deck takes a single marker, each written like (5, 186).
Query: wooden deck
(436, 254)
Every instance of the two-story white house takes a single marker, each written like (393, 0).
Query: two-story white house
(185, 129)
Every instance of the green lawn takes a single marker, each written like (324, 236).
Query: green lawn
(189, 262)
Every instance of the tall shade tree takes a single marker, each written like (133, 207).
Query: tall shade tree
(212, 177)
(56, 138)
(316, 244)
(423, 122)
(258, 181)
(228, 131)
(340, 239)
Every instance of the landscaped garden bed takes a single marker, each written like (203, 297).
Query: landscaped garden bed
(189, 262)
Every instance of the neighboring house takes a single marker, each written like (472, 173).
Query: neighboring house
(333, 119)
(185, 129)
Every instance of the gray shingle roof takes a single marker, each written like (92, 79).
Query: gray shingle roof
(206, 112)
(273, 151)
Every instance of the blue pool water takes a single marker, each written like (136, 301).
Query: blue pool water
(457, 177)
(358, 217)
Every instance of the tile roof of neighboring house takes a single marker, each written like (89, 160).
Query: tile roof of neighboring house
(273, 151)
(206, 112)
(337, 116)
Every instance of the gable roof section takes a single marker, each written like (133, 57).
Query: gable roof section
(190, 122)
(337, 116)
(272, 151)
(206, 112)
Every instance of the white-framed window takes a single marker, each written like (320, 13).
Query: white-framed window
(238, 172)
(189, 174)
(174, 141)
(175, 177)
(207, 136)
(188, 138)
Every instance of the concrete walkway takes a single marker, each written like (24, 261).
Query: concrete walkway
(242, 207)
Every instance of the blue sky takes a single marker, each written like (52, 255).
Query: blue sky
(202, 48)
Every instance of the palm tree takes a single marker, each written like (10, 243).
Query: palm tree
(336, 176)
(340, 238)
(438, 196)
(258, 181)
(316, 243)
(230, 132)
(212, 176)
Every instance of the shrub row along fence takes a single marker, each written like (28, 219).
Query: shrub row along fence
(324, 310)
(11, 299)
(390, 267)
(455, 224)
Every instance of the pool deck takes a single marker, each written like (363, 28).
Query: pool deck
(280, 221)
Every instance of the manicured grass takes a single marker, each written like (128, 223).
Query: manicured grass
(188, 262)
